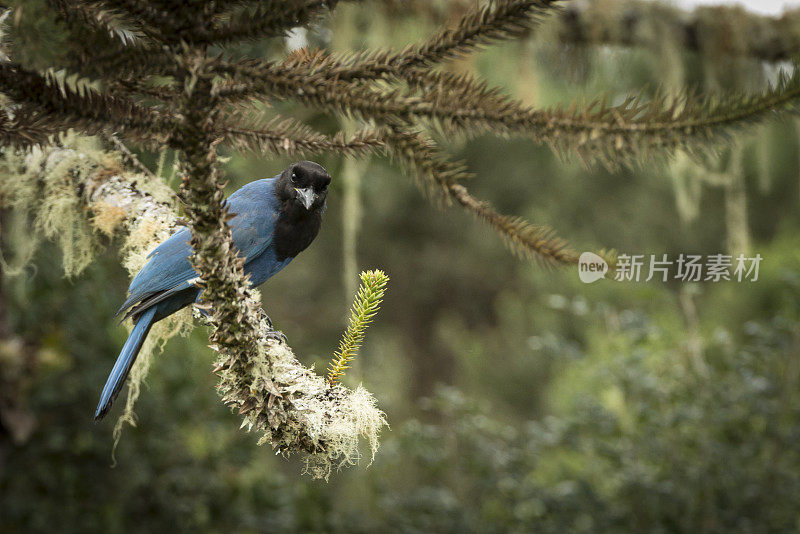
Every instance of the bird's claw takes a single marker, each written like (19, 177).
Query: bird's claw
(277, 335)
(264, 317)
(271, 332)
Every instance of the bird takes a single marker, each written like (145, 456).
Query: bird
(274, 219)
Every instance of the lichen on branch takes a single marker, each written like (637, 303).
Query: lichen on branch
(258, 376)
(294, 408)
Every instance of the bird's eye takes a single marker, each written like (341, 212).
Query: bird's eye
(294, 178)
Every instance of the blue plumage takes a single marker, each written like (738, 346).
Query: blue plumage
(276, 218)
(124, 362)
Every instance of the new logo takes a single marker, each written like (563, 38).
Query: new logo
(591, 267)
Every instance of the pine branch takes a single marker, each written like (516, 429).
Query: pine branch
(419, 154)
(485, 23)
(131, 158)
(305, 83)
(168, 23)
(635, 130)
(365, 308)
(268, 18)
(638, 130)
(165, 93)
(312, 78)
(222, 275)
(56, 102)
(124, 63)
(522, 238)
(285, 136)
(305, 76)
(632, 131)
(98, 18)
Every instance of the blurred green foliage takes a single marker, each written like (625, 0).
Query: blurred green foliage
(520, 399)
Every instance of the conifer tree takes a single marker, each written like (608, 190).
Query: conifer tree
(163, 73)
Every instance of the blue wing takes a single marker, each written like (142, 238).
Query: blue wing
(169, 270)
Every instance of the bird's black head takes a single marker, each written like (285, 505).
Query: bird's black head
(303, 186)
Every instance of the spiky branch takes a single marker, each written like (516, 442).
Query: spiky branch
(480, 26)
(706, 29)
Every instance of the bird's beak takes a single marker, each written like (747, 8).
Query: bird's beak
(306, 196)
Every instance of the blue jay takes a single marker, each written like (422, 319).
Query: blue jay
(275, 219)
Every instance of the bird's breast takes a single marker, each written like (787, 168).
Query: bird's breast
(294, 234)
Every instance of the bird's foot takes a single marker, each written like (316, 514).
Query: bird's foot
(264, 317)
(277, 335)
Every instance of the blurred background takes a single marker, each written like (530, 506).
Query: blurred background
(519, 398)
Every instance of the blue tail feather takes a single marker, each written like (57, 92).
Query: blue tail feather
(124, 362)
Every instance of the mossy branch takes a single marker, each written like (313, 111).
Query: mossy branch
(365, 307)
(293, 407)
